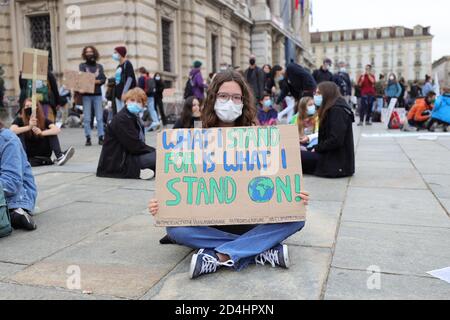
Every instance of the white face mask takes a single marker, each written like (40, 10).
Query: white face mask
(228, 111)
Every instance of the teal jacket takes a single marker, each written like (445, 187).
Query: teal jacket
(441, 109)
(393, 90)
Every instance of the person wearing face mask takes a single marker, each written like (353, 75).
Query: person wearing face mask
(159, 89)
(333, 156)
(393, 89)
(18, 191)
(124, 77)
(307, 121)
(93, 102)
(39, 137)
(190, 116)
(125, 155)
(229, 103)
(267, 115)
(342, 79)
(367, 84)
(256, 78)
(420, 113)
(323, 73)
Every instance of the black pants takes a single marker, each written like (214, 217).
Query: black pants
(309, 161)
(52, 141)
(148, 161)
(418, 124)
(160, 106)
(439, 122)
(365, 112)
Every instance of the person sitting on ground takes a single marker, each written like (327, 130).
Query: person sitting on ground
(267, 115)
(16, 181)
(420, 112)
(441, 111)
(125, 155)
(308, 124)
(39, 137)
(190, 115)
(334, 156)
(229, 103)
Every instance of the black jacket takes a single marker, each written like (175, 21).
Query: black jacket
(321, 75)
(257, 80)
(336, 148)
(121, 147)
(298, 80)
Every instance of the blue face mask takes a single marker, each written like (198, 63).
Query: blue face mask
(268, 103)
(116, 57)
(134, 108)
(318, 99)
(311, 110)
(280, 78)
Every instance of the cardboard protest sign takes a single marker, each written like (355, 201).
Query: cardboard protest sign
(389, 111)
(226, 176)
(34, 64)
(79, 81)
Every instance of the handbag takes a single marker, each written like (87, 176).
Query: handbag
(5, 220)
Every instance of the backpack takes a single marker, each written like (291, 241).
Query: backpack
(150, 86)
(394, 122)
(5, 220)
(342, 84)
(188, 89)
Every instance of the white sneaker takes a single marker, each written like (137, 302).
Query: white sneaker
(147, 174)
(65, 157)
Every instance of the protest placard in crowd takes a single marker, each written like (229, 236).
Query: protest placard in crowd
(83, 82)
(225, 176)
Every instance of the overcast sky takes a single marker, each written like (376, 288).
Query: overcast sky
(352, 14)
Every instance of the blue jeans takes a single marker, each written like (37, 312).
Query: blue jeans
(152, 110)
(96, 102)
(366, 108)
(380, 104)
(241, 249)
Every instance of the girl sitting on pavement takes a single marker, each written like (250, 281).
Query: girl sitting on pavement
(229, 103)
(39, 137)
(190, 115)
(308, 123)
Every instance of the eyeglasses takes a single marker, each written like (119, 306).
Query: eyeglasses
(225, 97)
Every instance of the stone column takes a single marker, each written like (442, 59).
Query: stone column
(275, 7)
(260, 10)
(262, 44)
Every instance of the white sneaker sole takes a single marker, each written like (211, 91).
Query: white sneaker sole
(286, 256)
(147, 174)
(192, 267)
(67, 157)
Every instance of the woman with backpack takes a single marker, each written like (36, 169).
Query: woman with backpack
(93, 101)
(147, 83)
(18, 187)
(159, 83)
(39, 137)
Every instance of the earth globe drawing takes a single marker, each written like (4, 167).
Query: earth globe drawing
(261, 189)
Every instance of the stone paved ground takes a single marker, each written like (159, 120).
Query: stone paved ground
(393, 214)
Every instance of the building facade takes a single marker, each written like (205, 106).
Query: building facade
(403, 51)
(441, 69)
(161, 35)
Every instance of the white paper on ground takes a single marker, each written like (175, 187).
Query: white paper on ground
(429, 138)
(443, 274)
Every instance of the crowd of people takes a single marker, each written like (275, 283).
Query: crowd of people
(319, 104)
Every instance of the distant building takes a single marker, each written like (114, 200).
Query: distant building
(441, 68)
(406, 52)
(162, 35)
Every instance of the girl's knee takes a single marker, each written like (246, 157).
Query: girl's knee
(179, 234)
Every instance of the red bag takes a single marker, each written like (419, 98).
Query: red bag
(394, 122)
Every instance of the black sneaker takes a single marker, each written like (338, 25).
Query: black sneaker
(360, 124)
(100, 141)
(206, 261)
(88, 142)
(368, 123)
(277, 256)
(20, 219)
(65, 157)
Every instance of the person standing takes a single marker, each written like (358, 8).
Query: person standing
(256, 78)
(159, 83)
(147, 83)
(323, 73)
(268, 81)
(401, 98)
(393, 89)
(380, 88)
(93, 100)
(197, 82)
(125, 77)
(342, 79)
(428, 86)
(414, 93)
(367, 84)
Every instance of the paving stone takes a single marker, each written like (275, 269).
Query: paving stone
(8, 269)
(303, 280)
(388, 178)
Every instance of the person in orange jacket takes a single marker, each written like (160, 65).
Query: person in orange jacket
(420, 112)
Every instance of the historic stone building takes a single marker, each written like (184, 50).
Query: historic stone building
(441, 69)
(404, 51)
(162, 35)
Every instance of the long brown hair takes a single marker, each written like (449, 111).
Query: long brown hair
(186, 114)
(248, 117)
(330, 93)
(40, 117)
(302, 113)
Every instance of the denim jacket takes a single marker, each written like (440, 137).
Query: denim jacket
(16, 177)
